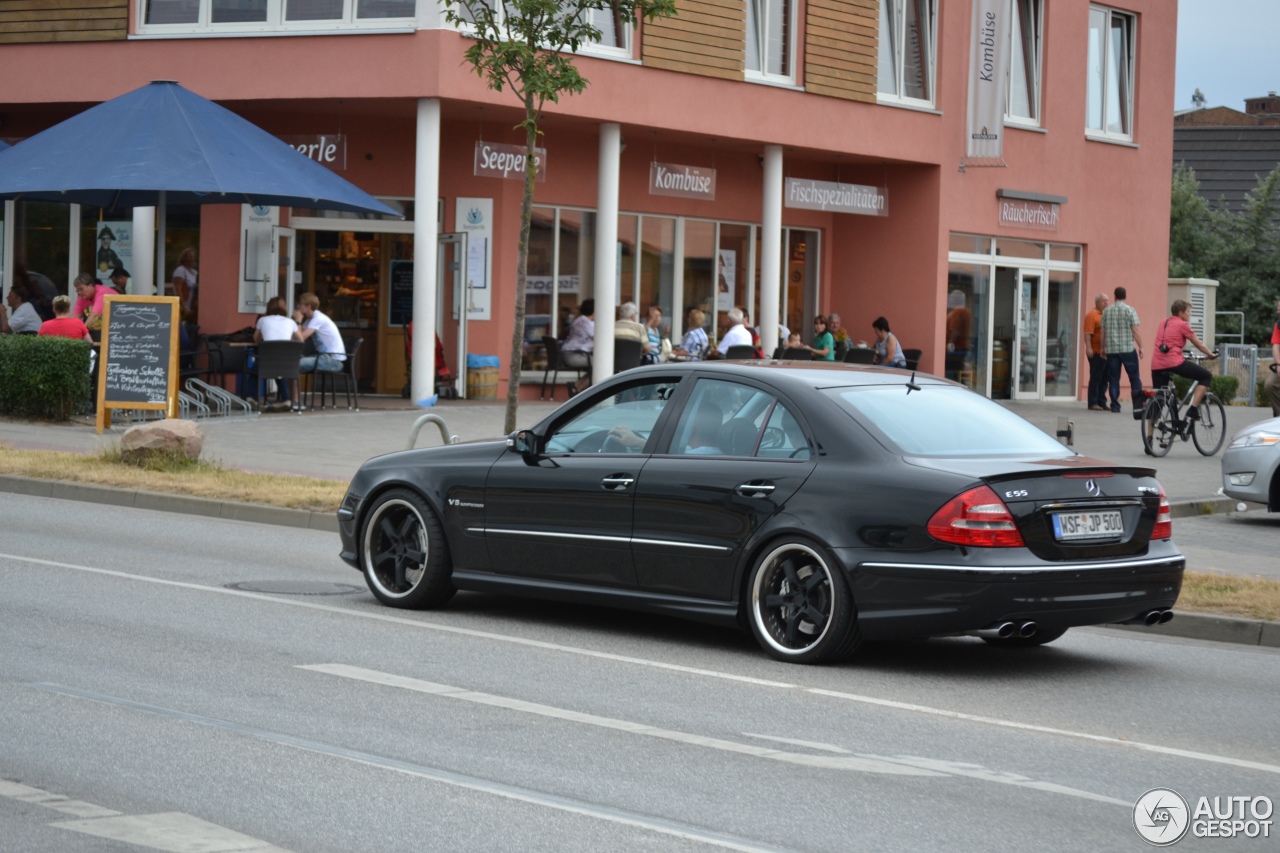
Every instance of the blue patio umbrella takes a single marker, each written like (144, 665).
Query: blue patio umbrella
(162, 144)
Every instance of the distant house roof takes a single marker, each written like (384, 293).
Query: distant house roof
(1228, 161)
(1220, 117)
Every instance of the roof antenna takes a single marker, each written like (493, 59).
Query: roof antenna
(911, 384)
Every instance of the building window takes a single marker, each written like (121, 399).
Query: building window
(1110, 84)
(908, 35)
(1023, 103)
(614, 29)
(192, 16)
(769, 36)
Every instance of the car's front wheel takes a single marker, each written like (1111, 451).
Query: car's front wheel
(800, 608)
(403, 552)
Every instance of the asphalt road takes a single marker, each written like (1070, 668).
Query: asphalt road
(150, 695)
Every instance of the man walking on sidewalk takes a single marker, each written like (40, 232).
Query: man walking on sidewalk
(1097, 355)
(1123, 346)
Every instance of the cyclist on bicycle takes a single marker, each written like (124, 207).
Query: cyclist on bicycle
(1167, 359)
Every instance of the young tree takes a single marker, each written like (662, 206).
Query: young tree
(525, 46)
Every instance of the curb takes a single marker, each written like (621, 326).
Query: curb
(1195, 626)
(207, 507)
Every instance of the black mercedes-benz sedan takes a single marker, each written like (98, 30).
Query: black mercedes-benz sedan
(818, 506)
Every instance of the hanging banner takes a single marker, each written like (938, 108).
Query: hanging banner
(115, 248)
(495, 160)
(475, 217)
(808, 194)
(682, 181)
(988, 69)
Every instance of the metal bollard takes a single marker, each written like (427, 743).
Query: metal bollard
(1066, 431)
(434, 419)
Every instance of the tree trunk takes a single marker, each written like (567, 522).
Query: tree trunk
(522, 264)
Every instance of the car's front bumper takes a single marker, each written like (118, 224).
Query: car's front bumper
(904, 598)
(1259, 461)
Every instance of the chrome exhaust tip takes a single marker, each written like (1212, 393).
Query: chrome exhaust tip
(1165, 616)
(998, 631)
(1027, 629)
(1151, 618)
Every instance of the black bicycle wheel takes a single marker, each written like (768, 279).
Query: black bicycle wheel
(1209, 431)
(1158, 433)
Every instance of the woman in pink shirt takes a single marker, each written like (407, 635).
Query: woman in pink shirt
(89, 304)
(1166, 359)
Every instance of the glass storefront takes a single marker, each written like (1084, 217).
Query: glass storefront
(1013, 309)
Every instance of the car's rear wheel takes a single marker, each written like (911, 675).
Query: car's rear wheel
(403, 552)
(800, 609)
(1158, 432)
(1039, 638)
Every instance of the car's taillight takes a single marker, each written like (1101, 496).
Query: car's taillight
(1164, 519)
(978, 518)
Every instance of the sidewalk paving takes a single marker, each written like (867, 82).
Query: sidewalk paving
(332, 444)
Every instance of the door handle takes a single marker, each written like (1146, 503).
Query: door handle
(755, 490)
(617, 482)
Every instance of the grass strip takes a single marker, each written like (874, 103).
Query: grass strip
(1230, 595)
(174, 476)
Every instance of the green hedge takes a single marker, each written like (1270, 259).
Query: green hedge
(43, 377)
(1224, 387)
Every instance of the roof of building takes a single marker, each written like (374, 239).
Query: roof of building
(1228, 161)
(1220, 117)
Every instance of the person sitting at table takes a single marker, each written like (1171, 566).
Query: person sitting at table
(654, 331)
(276, 324)
(25, 318)
(63, 325)
(331, 352)
(89, 304)
(694, 345)
(824, 345)
(627, 328)
(578, 345)
(888, 350)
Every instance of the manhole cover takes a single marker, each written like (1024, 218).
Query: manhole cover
(296, 587)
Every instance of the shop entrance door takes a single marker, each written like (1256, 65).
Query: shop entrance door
(1029, 351)
(451, 302)
(283, 252)
(1017, 345)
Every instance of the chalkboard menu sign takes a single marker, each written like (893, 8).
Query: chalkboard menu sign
(138, 361)
(401, 301)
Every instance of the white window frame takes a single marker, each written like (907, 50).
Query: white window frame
(1036, 64)
(762, 41)
(275, 22)
(597, 49)
(898, 8)
(1127, 97)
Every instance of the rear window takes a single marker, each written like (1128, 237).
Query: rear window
(942, 420)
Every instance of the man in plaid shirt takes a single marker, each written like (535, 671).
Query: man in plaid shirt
(1123, 346)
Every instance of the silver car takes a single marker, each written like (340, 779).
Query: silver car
(1251, 464)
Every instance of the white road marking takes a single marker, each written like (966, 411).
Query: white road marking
(661, 665)
(56, 802)
(511, 792)
(826, 747)
(986, 774)
(172, 831)
(863, 765)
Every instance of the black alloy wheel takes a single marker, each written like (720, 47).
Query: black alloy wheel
(1211, 428)
(403, 552)
(800, 608)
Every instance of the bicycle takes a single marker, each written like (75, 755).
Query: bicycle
(1162, 423)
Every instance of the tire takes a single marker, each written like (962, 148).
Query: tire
(799, 606)
(1039, 638)
(1158, 433)
(403, 552)
(1209, 431)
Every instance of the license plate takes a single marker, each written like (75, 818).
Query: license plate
(1068, 526)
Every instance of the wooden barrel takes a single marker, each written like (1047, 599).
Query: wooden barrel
(482, 383)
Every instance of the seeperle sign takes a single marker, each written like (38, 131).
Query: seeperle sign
(496, 160)
(807, 194)
(682, 181)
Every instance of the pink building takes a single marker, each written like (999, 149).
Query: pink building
(788, 106)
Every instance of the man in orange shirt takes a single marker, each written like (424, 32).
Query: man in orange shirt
(1097, 357)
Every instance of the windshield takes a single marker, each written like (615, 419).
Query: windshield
(942, 420)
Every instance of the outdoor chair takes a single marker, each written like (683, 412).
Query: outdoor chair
(797, 354)
(626, 355)
(555, 363)
(280, 360)
(329, 381)
(913, 357)
(741, 352)
(227, 360)
(860, 355)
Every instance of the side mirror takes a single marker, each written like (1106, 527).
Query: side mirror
(525, 442)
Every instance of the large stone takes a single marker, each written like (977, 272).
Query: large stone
(170, 437)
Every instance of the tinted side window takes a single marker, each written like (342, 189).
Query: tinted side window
(730, 419)
(618, 423)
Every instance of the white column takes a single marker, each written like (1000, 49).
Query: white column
(426, 247)
(606, 270)
(771, 249)
(142, 272)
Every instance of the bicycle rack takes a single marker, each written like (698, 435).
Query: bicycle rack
(221, 399)
(187, 403)
(423, 421)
